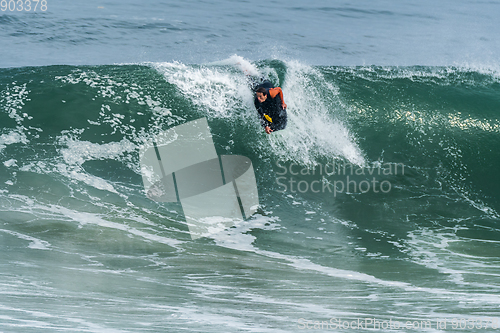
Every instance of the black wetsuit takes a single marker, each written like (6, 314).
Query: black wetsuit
(271, 107)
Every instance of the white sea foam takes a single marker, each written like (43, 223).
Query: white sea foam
(13, 98)
(84, 218)
(35, 243)
(210, 88)
(26, 205)
(239, 62)
(10, 163)
(75, 154)
(15, 136)
(78, 152)
(238, 238)
(311, 131)
(463, 260)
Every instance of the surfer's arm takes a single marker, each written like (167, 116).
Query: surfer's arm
(277, 91)
(263, 120)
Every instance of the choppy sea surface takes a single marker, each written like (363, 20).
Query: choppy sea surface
(379, 204)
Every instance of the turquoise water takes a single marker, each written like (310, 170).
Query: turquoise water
(378, 204)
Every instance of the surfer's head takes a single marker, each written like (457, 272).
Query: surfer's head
(261, 94)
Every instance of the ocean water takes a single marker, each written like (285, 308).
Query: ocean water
(379, 204)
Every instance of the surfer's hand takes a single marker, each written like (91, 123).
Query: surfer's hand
(283, 105)
(268, 130)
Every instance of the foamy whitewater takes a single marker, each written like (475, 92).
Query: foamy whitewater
(378, 203)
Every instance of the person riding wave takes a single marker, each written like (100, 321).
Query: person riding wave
(270, 106)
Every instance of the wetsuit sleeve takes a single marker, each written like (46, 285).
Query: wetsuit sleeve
(263, 121)
(277, 91)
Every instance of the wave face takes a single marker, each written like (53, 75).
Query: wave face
(381, 195)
